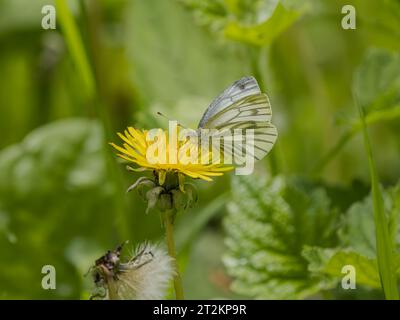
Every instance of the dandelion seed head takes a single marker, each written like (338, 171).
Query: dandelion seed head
(145, 276)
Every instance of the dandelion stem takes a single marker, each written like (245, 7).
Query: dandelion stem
(169, 233)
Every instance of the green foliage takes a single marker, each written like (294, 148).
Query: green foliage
(357, 243)
(177, 68)
(358, 231)
(287, 242)
(265, 32)
(62, 198)
(54, 180)
(377, 80)
(74, 42)
(384, 244)
(376, 85)
(328, 262)
(380, 23)
(251, 22)
(268, 225)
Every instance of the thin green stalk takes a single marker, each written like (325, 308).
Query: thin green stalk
(384, 245)
(77, 50)
(371, 118)
(256, 54)
(75, 46)
(169, 233)
(334, 151)
(190, 226)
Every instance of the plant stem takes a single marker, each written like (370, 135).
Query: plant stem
(256, 54)
(384, 245)
(169, 233)
(372, 118)
(79, 56)
(76, 48)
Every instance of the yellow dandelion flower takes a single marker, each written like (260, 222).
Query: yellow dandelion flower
(135, 149)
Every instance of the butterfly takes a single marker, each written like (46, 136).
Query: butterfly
(242, 106)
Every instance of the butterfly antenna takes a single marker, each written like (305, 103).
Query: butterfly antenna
(164, 116)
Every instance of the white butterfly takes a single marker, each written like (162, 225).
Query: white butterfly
(243, 106)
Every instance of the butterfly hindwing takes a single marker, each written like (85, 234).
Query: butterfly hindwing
(234, 146)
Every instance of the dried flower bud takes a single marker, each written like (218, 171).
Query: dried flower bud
(166, 191)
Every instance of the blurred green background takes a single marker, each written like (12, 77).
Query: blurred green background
(62, 190)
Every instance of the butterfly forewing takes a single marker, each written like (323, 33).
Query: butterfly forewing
(242, 106)
(244, 87)
(255, 108)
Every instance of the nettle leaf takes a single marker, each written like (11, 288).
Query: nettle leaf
(269, 223)
(377, 80)
(358, 229)
(358, 248)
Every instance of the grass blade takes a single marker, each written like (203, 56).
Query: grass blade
(384, 244)
(79, 56)
(75, 46)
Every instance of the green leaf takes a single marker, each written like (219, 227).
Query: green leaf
(255, 22)
(377, 80)
(75, 45)
(379, 23)
(358, 230)
(358, 244)
(384, 243)
(330, 262)
(210, 13)
(268, 224)
(384, 237)
(55, 192)
(376, 85)
(174, 26)
(263, 33)
(79, 56)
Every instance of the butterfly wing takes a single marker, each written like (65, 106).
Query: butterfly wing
(242, 106)
(244, 87)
